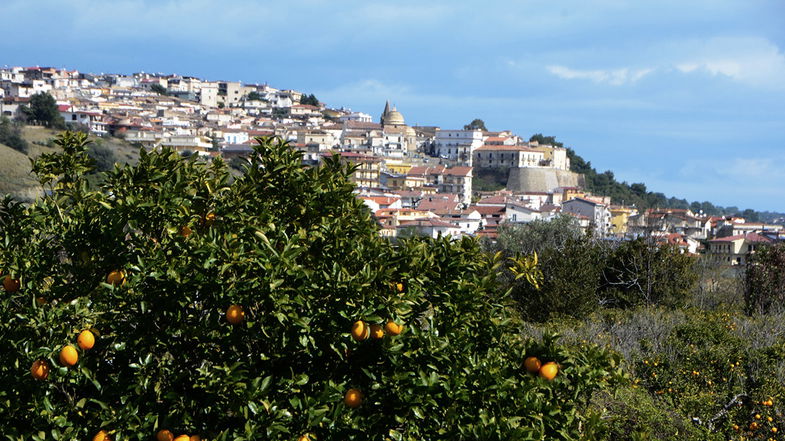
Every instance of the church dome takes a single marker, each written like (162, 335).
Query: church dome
(394, 118)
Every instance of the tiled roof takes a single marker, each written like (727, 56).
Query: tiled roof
(752, 237)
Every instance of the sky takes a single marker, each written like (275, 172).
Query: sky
(687, 97)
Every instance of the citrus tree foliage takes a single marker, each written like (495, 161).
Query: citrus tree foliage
(299, 253)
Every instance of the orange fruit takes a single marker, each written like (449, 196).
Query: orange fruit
(102, 436)
(773, 430)
(377, 332)
(549, 370)
(209, 219)
(304, 438)
(532, 364)
(182, 438)
(753, 425)
(116, 277)
(195, 438)
(360, 330)
(86, 340)
(185, 231)
(164, 435)
(40, 301)
(399, 286)
(353, 398)
(757, 416)
(68, 355)
(11, 285)
(40, 370)
(393, 328)
(235, 314)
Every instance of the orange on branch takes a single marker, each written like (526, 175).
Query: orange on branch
(164, 435)
(393, 328)
(86, 340)
(360, 330)
(68, 355)
(532, 364)
(116, 277)
(235, 314)
(377, 332)
(549, 371)
(353, 398)
(11, 285)
(40, 370)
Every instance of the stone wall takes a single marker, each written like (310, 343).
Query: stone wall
(531, 179)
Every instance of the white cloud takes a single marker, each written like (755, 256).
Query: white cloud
(614, 77)
(749, 60)
(746, 60)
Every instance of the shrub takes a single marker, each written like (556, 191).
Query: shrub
(641, 271)
(764, 283)
(11, 135)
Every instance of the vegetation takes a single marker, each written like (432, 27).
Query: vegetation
(159, 89)
(43, 111)
(225, 308)
(254, 96)
(701, 368)
(310, 100)
(764, 290)
(475, 124)
(11, 135)
(581, 274)
(489, 179)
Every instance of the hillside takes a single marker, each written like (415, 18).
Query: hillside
(605, 184)
(15, 167)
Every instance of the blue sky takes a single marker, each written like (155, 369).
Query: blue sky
(687, 97)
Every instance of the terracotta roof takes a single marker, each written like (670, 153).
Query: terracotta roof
(428, 204)
(752, 237)
(381, 200)
(458, 171)
(488, 210)
(424, 170)
(434, 222)
(493, 200)
(506, 148)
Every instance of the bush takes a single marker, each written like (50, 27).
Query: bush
(641, 271)
(302, 256)
(569, 286)
(11, 135)
(103, 156)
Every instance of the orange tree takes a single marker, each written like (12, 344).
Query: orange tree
(224, 308)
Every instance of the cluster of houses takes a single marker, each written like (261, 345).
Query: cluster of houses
(415, 179)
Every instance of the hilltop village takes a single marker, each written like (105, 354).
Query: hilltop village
(415, 179)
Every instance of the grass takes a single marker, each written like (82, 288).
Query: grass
(15, 168)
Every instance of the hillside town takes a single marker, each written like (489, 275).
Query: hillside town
(415, 179)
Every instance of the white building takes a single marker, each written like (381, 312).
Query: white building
(598, 214)
(505, 156)
(458, 145)
(356, 116)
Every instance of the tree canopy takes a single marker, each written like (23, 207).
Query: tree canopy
(476, 124)
(310, 100)
(43, 110)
